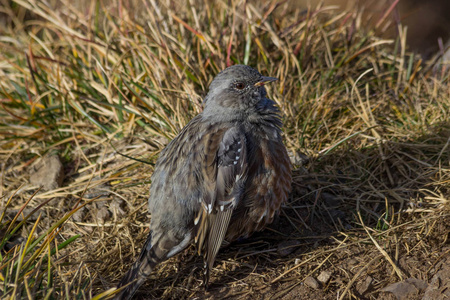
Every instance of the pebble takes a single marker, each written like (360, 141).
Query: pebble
(48, 173)
(324, 276)
(365, 285)
(311, 282)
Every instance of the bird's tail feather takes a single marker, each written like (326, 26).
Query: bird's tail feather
(138, 273)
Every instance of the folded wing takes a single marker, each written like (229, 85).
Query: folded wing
(225, 174)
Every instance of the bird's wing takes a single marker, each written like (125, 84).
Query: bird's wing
(225, 172)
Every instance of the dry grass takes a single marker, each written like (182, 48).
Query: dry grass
(367, 124)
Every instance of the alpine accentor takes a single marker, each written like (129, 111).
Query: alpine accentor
(223, 177)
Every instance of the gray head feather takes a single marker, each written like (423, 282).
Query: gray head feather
(237, 92)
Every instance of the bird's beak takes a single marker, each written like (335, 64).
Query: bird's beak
(264, 80)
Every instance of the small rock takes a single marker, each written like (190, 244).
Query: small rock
(287, 247)
(48, 173)
(418, 283)
(103, 214)
(407, 289)
(324, 276)
(79, 214)
(311, 282)
(116, 207)
(365, 285)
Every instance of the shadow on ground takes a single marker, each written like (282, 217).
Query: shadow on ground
(337, 233)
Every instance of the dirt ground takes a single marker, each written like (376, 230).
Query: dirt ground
(313, 260)
(246, 270)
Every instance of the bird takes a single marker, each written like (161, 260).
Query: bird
(223, 177)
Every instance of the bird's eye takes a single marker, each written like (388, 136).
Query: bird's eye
(239, 85)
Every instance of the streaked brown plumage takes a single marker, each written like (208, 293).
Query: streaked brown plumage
(224, 176)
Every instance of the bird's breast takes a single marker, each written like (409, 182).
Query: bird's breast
(267, 186)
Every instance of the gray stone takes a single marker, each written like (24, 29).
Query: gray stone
(407, 289)
(324, 276)
(311, 282)
(48, 173)
(365, 285)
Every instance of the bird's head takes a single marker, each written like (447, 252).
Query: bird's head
(237, 89)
